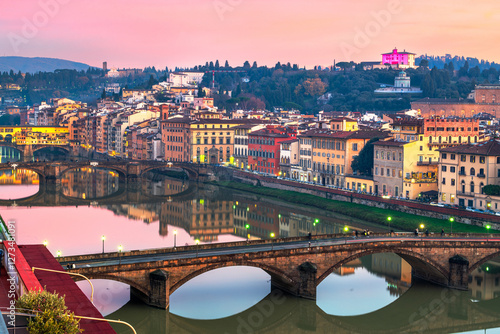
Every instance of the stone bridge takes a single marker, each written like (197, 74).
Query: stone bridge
(27, 151)
(294, 266)
(53, 171)
(423, 308)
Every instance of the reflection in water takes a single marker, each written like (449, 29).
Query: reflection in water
(18, 183)
(424, 308)
(90, 183)
(364, 285)
(9, 154)
(220, 293)
(128, 217)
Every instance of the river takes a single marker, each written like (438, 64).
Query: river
(373, 294)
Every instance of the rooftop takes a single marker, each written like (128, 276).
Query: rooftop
(488, 148)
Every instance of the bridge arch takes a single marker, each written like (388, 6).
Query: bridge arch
(483, 260)
(420, 264)
(272, 271)
(132, 283)
(121, 172)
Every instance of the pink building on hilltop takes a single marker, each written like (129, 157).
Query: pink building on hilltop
(399, 59)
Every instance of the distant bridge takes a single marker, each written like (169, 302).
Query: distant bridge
(53, 171)
(296, 265)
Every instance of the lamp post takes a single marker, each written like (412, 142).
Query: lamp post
(120, 248)
(58, 253)
(45, 243)
(272, 240)
(197, 242)
(175, 238)
(389, 221)
(451, 224)
(103, 238)
(247, 227)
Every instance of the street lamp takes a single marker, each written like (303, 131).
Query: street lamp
(272, 235)
(451, 224)
(389, 221)
(58, 253)
(120, 248)
(175, 238)
(45, 243)
(247, 226)
(197, 242)
(103, 238)
(422, 226)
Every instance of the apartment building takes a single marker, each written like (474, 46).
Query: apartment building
(463, 172)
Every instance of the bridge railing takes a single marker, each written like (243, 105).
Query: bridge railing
(343, 236)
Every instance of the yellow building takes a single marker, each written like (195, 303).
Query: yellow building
(331, 154)
(212, 140)
(463, 172)
(400, 170)
(34, 135)
(360, 183)
(344, 124)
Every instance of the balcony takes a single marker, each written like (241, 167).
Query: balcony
(462, 193)
(427, 163)
(481, 176)
(462, 173)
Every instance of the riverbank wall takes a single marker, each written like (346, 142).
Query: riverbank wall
(411, 207)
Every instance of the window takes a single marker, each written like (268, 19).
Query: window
(376, 154)
(463, 158)
(482, 160)
(443, 168)
(472, 187)
(472, 172)
(376, 170)
(421, 148)
(355, 147)
(481, 171)
(472, 158)
(462, 171)
(444, 181)
(452, 169)
(443, 155)
(381, 172)
(452, 156)
(452, 182)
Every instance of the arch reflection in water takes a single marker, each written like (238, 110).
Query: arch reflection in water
(364, 285)
(9, 154)
(220, 293)
(90, 183)
(160, 182)
(424, 308)
(18, 183)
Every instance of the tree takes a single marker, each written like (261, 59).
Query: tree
(103, 95)
(424, 63)
(226, 65)
(254, 65)
(217, 66)
(428, 86)
(314, 87)
(51, 314)
(363, 163)
(246, 65)
(492, 190)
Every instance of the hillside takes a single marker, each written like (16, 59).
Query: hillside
(38, 64)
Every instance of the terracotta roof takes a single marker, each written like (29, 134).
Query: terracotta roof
(489, 148)
(360, 134)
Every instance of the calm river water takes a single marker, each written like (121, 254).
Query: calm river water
(373, 294)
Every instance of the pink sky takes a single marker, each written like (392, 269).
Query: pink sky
(131, 33)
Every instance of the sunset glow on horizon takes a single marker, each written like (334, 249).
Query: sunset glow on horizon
(185, 33)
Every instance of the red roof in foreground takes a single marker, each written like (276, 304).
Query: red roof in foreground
(76, 301)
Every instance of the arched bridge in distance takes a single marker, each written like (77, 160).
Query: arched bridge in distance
(296, 265)
(54, 171)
